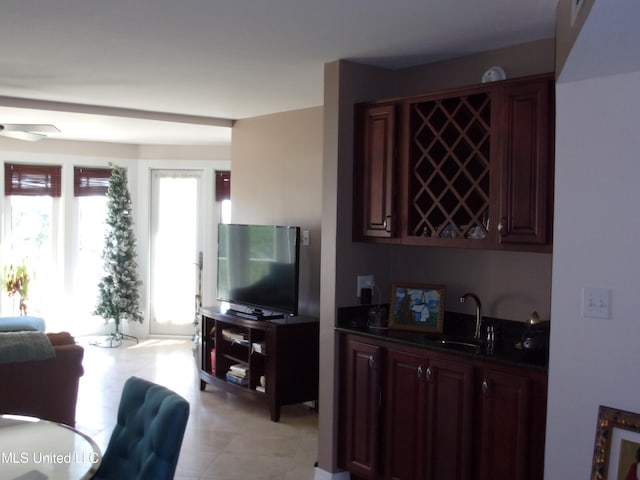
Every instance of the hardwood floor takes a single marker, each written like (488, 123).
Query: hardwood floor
(227, 438)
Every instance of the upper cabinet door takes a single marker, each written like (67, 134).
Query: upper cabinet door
(527, 164)
(374, 172)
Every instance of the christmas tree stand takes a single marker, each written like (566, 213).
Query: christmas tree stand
(114, 340)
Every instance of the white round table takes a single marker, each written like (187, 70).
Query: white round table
(35, 449)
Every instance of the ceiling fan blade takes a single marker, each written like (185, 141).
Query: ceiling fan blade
(28, 136)
(30, 127)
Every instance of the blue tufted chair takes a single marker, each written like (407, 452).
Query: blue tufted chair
(145, 443)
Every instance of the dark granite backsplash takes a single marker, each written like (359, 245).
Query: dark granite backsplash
(508, 333)
(455, 324)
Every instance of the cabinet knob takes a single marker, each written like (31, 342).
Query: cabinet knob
(372, 361)
(485, 387)
(387, 223)
(419, 371)
(429, 374)
(501, 227)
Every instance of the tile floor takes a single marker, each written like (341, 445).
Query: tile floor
(227, 438)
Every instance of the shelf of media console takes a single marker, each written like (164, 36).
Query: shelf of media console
(283, 350)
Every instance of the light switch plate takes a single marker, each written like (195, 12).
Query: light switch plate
(596, 303)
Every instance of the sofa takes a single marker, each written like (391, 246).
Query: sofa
(44, 385)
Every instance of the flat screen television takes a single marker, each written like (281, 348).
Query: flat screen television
(258, 268)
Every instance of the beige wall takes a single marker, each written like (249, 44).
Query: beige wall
(276, 179)
(69, 149)
(106, 150)
(343, 82)
(517, 61)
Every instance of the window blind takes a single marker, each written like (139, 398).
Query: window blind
(223, 185)
(90, 181)
(32, 180)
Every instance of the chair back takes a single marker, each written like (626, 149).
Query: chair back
(145, 443)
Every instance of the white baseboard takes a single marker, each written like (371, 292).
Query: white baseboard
(323, 475)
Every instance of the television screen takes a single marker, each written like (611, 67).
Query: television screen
(258, 267)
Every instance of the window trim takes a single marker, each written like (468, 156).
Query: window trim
(223, 185)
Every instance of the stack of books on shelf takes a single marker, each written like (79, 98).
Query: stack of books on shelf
(238, 374)
(235, 336)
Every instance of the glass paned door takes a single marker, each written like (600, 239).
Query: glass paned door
(175, 245)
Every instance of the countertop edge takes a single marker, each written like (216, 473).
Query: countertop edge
(502, 354)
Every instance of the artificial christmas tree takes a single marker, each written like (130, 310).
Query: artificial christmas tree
(118, 295)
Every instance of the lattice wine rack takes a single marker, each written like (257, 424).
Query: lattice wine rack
(449, 164)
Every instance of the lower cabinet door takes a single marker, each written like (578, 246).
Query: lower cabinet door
(428, 408)
(450, 427)
(362, 408)
(405, 410)
(505, 429)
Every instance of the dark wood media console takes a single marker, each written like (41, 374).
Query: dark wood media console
(279, 356)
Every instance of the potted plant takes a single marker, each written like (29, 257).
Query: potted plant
(16, 281)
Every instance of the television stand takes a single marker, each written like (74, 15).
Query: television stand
(276, 361)
(254, 315)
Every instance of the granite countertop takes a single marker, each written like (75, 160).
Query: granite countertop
(505, 349)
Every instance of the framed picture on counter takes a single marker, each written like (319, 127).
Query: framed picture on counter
(616, 454)
(417, 307)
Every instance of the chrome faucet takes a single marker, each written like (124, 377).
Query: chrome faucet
(477, 335)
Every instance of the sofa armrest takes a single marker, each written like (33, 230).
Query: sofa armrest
(46, 389)
(61, 338)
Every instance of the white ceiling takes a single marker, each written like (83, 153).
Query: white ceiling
(96, 68)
